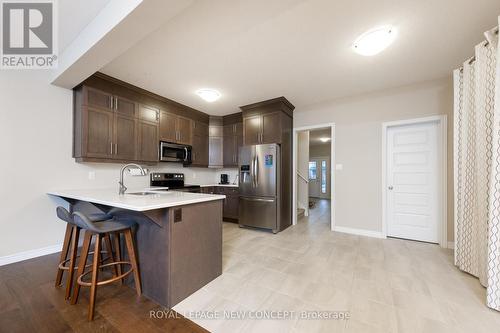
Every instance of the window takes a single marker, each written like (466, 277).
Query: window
(312, 170)
(323, 177)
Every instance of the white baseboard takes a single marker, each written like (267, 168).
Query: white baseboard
(5, 260)
(359, 232)
(451, 245)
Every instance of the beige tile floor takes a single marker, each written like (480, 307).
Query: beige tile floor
(386, 285)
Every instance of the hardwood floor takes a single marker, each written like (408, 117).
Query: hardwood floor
(29, 302)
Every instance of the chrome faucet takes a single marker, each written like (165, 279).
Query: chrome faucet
(123, 188)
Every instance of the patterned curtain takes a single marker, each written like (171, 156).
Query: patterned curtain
(477, 167)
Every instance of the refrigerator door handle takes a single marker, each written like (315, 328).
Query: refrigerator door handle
(257, 199)
(256, 170)
(253, 173)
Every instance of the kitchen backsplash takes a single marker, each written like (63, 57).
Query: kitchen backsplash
(106, 175)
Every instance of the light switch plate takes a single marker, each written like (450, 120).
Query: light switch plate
(339, 167)
(91, 175)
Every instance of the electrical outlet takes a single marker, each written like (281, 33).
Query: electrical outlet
(91, 175)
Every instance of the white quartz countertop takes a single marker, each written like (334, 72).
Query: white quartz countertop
(220, 185)
(140, 203)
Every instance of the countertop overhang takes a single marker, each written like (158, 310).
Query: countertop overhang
(110, 197)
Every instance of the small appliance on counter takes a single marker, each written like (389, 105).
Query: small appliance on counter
(161, 181)
(224, 179)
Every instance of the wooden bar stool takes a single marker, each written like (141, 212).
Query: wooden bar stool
(70, 245)
(102, 230)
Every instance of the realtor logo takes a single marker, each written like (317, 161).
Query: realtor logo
(28, 34)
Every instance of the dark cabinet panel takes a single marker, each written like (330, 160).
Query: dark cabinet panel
(184, 130)
(238, 129)
(252, 130)
(200, 129)
(124, 107)
(97, 98)
(168, 127)
(231, 207)
(228, 130)
(200, 151)
(271, 128)
(216, 153)
(229, 147)
(148, 142)
(148, 113)
(98, 131)
(124, 138)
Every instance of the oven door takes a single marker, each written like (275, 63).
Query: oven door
(172, 152)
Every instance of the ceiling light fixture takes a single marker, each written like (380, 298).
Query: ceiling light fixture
(324, 139)
(374, 41)
(209, 95)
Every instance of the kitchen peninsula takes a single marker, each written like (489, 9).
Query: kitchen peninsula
(178, 238)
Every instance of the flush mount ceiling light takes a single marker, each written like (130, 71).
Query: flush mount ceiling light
(374, 41)
(324, 139)
(209, 95)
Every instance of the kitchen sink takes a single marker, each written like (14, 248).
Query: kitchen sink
(143, 193)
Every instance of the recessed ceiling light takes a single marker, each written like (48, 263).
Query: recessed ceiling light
(324, 139)
(374, 41)
(209, 95)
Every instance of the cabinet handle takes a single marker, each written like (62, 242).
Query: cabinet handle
(111, 143)
(116, 149)
(116, 103)
(157, 115)
(110, 104)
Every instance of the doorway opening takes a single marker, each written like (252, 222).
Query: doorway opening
(414, 179)
(314, 176)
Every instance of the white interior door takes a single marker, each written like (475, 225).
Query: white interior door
(412, 182)
(319, 177)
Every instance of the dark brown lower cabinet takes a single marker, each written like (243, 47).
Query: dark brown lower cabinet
(231, 203)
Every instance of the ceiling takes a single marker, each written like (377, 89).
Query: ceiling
(74, 16)
(316, 135)
(301, 49)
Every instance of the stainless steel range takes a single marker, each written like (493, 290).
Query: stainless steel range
(161, 181)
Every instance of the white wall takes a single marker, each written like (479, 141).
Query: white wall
(35, 150)
(358, 144)
(303, 169)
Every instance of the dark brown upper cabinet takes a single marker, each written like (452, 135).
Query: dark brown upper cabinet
(200, 144)
(149, 113)
(147, 141)
(174, 128)
(97, 99)
(94, 138)
(233, 140)
(262, 129)
(118, 122)
(252, 130)
(125, 134)
(263, 121)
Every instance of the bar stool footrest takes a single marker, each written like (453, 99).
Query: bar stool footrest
(104, 282)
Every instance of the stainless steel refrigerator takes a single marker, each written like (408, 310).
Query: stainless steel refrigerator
(259, 186)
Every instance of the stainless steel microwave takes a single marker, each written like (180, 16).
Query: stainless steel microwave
(173, 152)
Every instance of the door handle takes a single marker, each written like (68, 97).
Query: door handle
(390, 188)
(186, 157)
(257, 199)
(256, 171)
